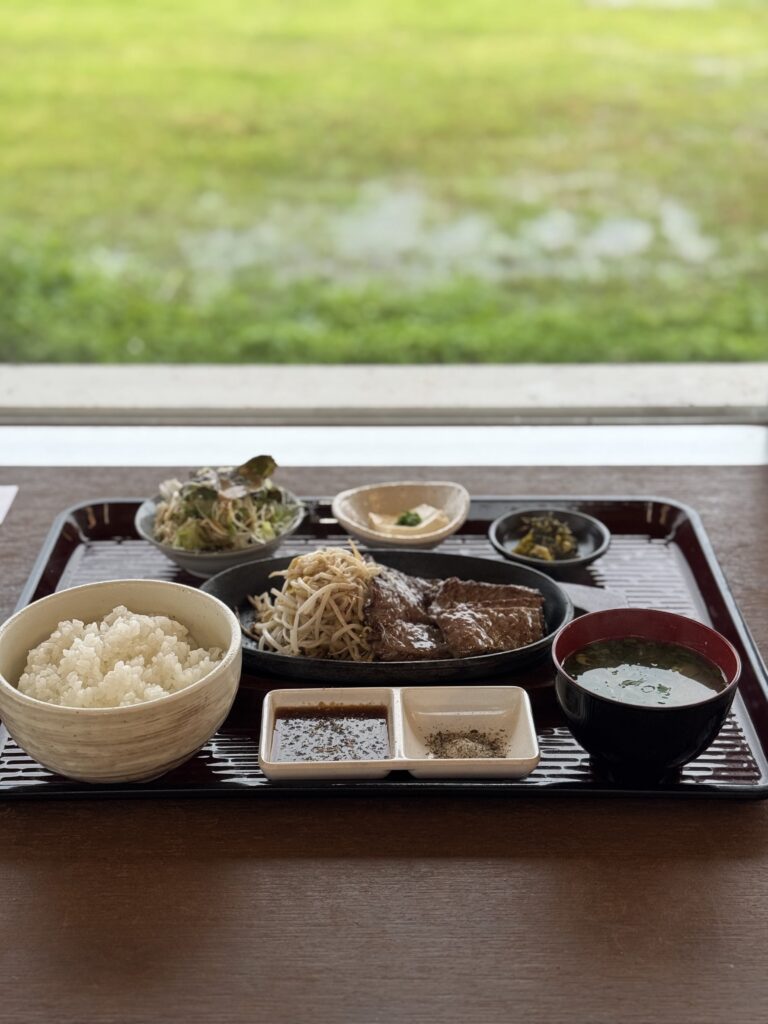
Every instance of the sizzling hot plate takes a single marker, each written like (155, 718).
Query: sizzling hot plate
(234, 585)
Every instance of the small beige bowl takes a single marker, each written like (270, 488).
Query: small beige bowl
(351, 509)
(131, 744)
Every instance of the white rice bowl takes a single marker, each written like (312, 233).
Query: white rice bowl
(124, 659)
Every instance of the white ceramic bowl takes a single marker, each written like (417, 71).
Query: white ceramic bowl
(351, 509)
(204, 564)
(130, 744)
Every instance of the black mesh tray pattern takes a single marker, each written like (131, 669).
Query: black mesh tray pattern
(660, 557)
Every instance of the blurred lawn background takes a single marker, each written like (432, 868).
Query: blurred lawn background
(371, 181)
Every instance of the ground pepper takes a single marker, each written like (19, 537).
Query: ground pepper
(466, 743)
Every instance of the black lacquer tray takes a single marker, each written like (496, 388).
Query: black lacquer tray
(660, 557)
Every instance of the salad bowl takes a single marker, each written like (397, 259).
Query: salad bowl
(220, 518)
(204, 564)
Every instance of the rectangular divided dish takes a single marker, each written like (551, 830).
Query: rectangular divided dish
(413, 715)
(660, 557)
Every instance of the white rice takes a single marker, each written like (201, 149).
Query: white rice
(124, 659)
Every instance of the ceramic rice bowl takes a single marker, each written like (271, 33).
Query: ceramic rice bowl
(123, 744)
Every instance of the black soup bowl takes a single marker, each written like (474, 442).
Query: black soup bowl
(632, 740)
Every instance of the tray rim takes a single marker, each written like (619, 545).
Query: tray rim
(486, 787)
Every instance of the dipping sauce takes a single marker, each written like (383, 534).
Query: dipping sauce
(645, 672)
(348, 733)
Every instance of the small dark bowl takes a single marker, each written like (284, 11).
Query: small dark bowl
(593, 538)
(631, 740)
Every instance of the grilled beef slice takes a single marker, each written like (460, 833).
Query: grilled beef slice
(454, 591)
(408, 641)
(393, 596)
(401, 627)
(474, 629)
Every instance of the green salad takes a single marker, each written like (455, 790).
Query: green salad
(225, 509)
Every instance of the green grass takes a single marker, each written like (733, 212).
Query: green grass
(353, 180)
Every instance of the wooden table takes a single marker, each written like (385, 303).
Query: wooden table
(444, 909)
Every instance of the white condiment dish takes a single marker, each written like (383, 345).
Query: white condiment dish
(498, 712)
(336, 699)
(123, 744)
(414, 715)
(352, 509)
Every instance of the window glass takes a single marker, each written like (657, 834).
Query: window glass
(564, 181)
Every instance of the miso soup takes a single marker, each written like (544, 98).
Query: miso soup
(645, 672)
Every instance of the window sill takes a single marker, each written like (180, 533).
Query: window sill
(137, 394)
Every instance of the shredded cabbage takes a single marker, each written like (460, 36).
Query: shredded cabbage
(225, 509)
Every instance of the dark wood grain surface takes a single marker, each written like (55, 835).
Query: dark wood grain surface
(404, 909)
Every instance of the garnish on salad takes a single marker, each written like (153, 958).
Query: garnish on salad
(547, 538)
(225, 509)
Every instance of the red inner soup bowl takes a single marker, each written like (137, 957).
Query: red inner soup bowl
(631, 739)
